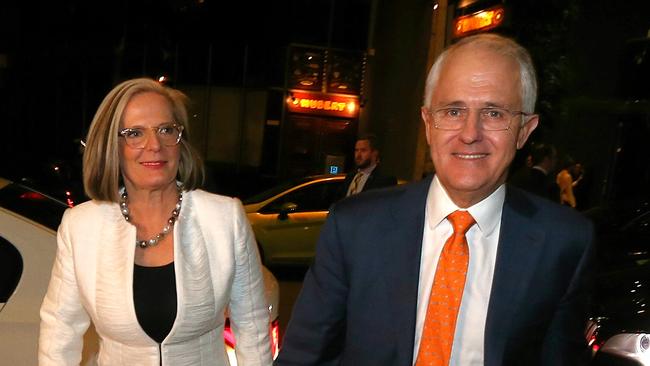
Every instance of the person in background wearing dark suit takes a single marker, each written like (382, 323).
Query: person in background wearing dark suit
(459, 268)
(538, 178)
(367, 174)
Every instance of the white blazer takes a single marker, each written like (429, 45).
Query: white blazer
(216, 265)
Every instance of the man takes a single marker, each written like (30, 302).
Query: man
(537, 179)
(383, 261)
(367, 175)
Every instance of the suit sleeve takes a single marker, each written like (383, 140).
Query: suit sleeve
(249, 314)
(564, 344)
(316, 331)
(63, 318)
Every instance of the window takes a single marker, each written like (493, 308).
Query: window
(315, 197)
(33, 205)
(11, 269)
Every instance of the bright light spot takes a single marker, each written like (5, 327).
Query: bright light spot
(435, 6)
(56, 168)
(162, 79)
(352, 106)
(595, 348)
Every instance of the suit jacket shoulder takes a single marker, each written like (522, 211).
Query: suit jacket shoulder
(368, 253)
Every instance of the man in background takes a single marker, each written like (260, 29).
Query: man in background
(538, 178)
(367, 174)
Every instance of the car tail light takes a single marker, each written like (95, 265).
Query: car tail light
(68, 198)
(274, 333)
(34, 196)
(228, 337)
(275, 338)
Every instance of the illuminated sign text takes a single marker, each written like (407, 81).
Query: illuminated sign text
(479, 21)
(326, 104)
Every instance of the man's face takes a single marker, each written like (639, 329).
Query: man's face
(364, 155)
(471, 163)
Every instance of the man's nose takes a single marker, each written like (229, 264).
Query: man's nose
(472, 129)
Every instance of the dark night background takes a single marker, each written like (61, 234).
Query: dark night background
(58, 60)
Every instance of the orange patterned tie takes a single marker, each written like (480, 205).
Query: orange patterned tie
(446, 294)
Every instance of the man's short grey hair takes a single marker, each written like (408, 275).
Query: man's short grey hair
(501, 45)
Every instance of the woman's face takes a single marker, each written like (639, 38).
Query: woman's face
(155, 165)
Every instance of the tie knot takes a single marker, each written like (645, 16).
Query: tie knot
(461, 221)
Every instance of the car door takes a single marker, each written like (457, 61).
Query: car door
(29, 251)
(287, 228)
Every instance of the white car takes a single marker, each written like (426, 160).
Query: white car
(28, 223)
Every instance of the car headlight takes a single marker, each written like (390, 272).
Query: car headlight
(635, 346)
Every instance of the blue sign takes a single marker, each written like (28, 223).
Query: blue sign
(334, 169)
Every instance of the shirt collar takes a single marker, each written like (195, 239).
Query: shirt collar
(487, 212)
(367, 170)
(540, 169)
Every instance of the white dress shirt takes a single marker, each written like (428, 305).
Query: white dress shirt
(482, 239)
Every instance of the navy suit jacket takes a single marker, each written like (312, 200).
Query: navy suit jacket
(359, 298)
(535, 181)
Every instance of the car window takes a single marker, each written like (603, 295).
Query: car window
(11, 269)
(33, 205)
(265, 195)
(314, 197)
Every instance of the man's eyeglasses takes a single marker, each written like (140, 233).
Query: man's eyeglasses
(167, 134)
(490, 118)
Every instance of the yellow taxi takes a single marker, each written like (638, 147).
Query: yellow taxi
(287, 219)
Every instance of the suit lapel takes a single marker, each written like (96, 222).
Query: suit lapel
(520, 245)
(402, 265)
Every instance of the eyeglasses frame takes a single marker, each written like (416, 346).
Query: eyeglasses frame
(180, 128)
(513, 114)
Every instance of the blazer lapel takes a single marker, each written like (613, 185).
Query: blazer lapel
(402, 265)
(114, 281)
(196, 307)
(520, 244)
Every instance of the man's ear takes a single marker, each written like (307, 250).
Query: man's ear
(375, 155)
(424, 112)
(526, 130)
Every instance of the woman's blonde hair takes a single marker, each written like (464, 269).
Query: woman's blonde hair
(101, 163)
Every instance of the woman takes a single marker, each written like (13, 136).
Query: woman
(566, 183)
(153, 262)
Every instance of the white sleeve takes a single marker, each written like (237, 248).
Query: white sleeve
(249, 314)
(63, 318)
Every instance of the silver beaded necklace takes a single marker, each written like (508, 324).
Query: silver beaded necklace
(124, 208)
